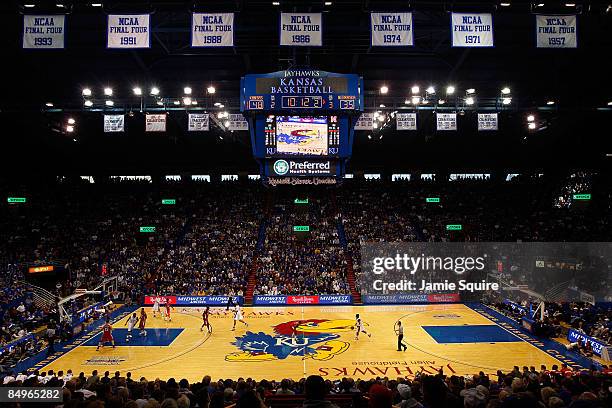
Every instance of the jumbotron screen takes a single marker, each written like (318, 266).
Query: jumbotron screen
(302, 135)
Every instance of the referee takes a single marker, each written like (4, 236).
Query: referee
(400, 336)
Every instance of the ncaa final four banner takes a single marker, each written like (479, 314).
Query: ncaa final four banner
(301, 29)
(237, 122)
(472, 29)
(43, 32)
(391, 30)
(114, 123)
(446, 121)
(128, 31)
(212, 29)
(155, 122)
(556, 32)
(487, 121)
(406, 121)
(365, 121)
(198, 122)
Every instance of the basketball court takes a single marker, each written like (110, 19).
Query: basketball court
(297, 341)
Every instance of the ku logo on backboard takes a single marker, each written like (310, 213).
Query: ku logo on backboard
(313, 338)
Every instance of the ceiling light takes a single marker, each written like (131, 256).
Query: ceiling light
(506, 101)
(155, 91)
(415, 89)
(176, 102)
(108, 91)
(531, 125)
(328, 3)
(29, 5)
(217, 103)
(160, 103)
(96, 4)
(60, 5)
(406, 101)
(609, 103)
(570, 4)
(86, 92)
(50, 104)
(109, 103)
(504, 4)
(88, 103)
(384, 89)
(211, 89)
(187, 100)
(194, 102)
(505, 90)
(226, 123)
(530, 118)
(382, 105)
(441, 101)
(450, 90)
(187, 90)
(430, 90)
(470, 91)
(69, 128)
(71, 121)
(550, 103)
(424, 102)
(469, 100)
(276, 3)
(137, 91)
(415, 100)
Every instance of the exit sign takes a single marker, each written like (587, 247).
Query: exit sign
(454, 227)
(301, 228)
(147, 229)
(432, 200)
(581, 196)
(14, 200)
(300, 201)
(168, 201)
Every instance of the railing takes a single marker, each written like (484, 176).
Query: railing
(42, 297)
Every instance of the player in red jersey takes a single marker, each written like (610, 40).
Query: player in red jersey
(168, 306)
(142, 322)
(107, 335)
(205, 322)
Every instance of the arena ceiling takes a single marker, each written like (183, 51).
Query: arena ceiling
(579, 82)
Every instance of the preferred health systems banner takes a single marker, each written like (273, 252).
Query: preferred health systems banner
(237, 122)
(365, 121)
(556, 32)
(155, 122)
(212, 29)
(43, 32)
(301, 29)
(128, 31)
(392, 29)
(114, 123)
(198, 122)
(446, 121)
(487, 121)
(472, 29)
(406, 121)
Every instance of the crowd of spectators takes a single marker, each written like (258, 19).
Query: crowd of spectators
(526, 388)
(305, 263)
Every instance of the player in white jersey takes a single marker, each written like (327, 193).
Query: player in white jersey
(156, 306)
(359, 327)
(238, 317)
(131, 323)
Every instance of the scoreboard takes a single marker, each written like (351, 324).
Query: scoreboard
(301, 121)
(305, 89)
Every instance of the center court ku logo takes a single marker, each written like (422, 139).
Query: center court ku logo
(313, 338)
